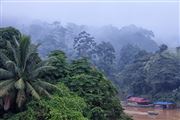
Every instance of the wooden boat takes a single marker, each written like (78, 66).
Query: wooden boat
(152, 113)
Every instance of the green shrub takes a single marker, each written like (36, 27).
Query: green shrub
(64, 105)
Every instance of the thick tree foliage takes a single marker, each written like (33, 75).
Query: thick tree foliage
(24, 76)
(85, 45)
(127, 55)
(64, 105)
(154, 75)
(61, 67)
(101, 55)
(8, 34)
(54, 39)
(93, 86)
(105, 57)
(50, 36)
(99, 93)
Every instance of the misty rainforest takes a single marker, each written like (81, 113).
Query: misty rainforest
(89, 60)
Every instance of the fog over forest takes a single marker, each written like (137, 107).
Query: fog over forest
(159, 17)
(89, 60)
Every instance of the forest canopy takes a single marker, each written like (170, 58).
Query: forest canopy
(86, 85)
(53, 88)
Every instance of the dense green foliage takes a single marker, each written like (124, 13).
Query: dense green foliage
(84, 44)
(155, 75)
(127, 56)
(96, 89)
(89, 93)
(61, 67)
(24, 77)
(90, 84)
(64, 105)
(105, 60)
(101, 55)
(55, 35)
(21, 80)
(8, 34)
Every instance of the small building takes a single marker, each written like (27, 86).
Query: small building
(138, 101)
(164, 105)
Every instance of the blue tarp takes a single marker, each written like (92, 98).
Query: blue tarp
(163, 103)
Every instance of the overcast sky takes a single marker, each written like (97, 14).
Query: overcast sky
(160, 17)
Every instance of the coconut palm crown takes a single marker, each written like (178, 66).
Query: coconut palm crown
(19, 74)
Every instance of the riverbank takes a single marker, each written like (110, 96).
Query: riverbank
(142, 113)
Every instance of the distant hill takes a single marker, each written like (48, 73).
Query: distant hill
(131, 34)
(62, 36)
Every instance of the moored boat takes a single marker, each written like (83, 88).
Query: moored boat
(152, 113)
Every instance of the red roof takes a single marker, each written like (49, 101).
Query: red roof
(138, 100)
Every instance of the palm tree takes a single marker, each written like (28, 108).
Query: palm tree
(19, 74)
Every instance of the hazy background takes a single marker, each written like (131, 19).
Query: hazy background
(160, 17)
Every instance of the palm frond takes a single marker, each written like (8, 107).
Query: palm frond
(4, 83)
(32, 50)
(3, 56)
(52, 58)
(24, 49)
(36, 72)
(6, 89)
(16, 43)
(40, 64)
(4, 74)
(11, 66)
(7, 63)
(14, 51)
(46, 85)
(21, 98)
(31, 90)
(19, 84)
(42, 91)
(3, 59)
